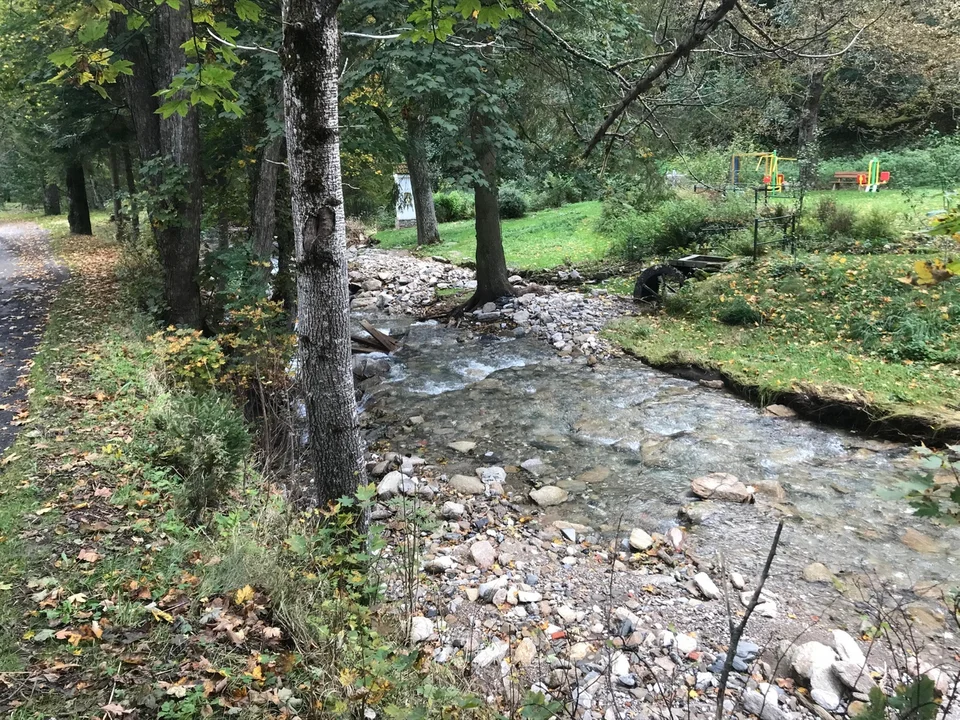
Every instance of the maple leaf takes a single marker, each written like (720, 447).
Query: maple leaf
(271, 633)
(115, 709)
(243, 595)
(87, 555)
(236, 636)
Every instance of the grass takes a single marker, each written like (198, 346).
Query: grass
(539, 241)
(844, 327)
(911, 208)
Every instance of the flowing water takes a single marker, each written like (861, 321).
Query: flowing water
(626, 441)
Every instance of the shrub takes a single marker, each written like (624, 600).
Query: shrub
(203, 438)
(512, 204)
(557, 190)
(453, 205)
(876, 226)
(739, 312)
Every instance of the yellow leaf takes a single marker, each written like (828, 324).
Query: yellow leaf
(347, 677)
(159, 614)
(244, 595)
(924, 272)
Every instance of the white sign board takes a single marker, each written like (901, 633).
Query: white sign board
(406, 214)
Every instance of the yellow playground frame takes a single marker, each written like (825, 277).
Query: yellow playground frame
(770, 161)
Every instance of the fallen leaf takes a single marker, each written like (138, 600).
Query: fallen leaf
(115, 709)
(243, 595)
(87, 555)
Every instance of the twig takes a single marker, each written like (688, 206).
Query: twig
(736, 631)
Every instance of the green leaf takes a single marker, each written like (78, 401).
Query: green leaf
(135, 21)
(298, 544)
(247, 10)
(62, 58)
(92, 30)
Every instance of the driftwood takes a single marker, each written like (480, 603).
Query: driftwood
(374, 341)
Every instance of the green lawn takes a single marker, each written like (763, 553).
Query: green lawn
(845, 327)
(911, 207)
(541, 240)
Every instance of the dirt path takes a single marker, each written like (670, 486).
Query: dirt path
(29, 277)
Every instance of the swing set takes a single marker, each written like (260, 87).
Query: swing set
(773, 179)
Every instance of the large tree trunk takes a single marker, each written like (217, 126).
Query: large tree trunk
(178, 236)
(421, 181)
(264, 221)
(309, 57)
(118, 218)
(79, 214)
(131, 192)
(51, 200)
(492, 282)
(808, 145)
(95, 197)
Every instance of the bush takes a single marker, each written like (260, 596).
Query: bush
(512, 204)
(202, 438)
(556, 191)
(739, 312)
(876, 226)
(453, 205)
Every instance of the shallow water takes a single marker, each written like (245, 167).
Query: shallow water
(640, 435)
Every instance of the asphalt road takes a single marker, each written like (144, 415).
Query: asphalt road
(29, 278)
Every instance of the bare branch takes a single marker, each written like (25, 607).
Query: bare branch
(219, 39)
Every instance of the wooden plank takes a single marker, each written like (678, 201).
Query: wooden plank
(387, 342)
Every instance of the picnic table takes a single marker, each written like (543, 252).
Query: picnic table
(847, 178)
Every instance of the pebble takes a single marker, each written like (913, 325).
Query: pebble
(494, 652)
(483, 554)
(452, 510)
(736, 579)
(421, 629)
(549, 495)
(640, 540)
(467, 485)
(462, 446)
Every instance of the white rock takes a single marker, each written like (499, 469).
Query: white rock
(736, 579)
(390, 485)
(706, 586)
(619, 664)
(767, 609)
(529, 596)
(810, 656)
(675, 537)
(488, 589)
(492, 474)
(666, 639)
(549, 495)
(757, 704)
(534, 466)
(567, 613)
(579, 651)
(421, 629)
(640, 540)
(462, 446)
(494, 652)
(847, 648)
(685, 644)
(825, 699)
(452, 510)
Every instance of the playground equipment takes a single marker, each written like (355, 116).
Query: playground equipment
(869, 181)
(769, 161)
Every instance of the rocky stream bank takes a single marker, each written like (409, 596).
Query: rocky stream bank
(614, 621)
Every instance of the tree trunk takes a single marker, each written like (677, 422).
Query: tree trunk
(131, 192)
(178, 236)
(118, 216)
(95, 199)
(264, 221)
(492, 282)
(309, 57)
(421, 181)
(808, 144)
(51, 200)
(79, 214)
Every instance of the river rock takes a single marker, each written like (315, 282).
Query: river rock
(489, 589)
(525, 652)
(492, 474)
(919, 542)
(640, 540)
(594, 474)
(853, 676)
(452, 510)
(462, 446)
(421, 629)
(467, 485)
(439, 564)
(685, 644)
(781, 411)
(761, 706)
(390, 485)
(706, 586)
(810, 656)
(736, 579)
(483, 554)
(534, 466)
(848, 649)
(494, 652)
(698, 513)
(720, 486)
(817, 572)
(549, 495)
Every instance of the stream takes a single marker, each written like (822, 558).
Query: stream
(626, 440)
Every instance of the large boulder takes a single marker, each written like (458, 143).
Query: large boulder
(721, 486)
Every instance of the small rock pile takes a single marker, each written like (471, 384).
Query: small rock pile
(609, 627)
